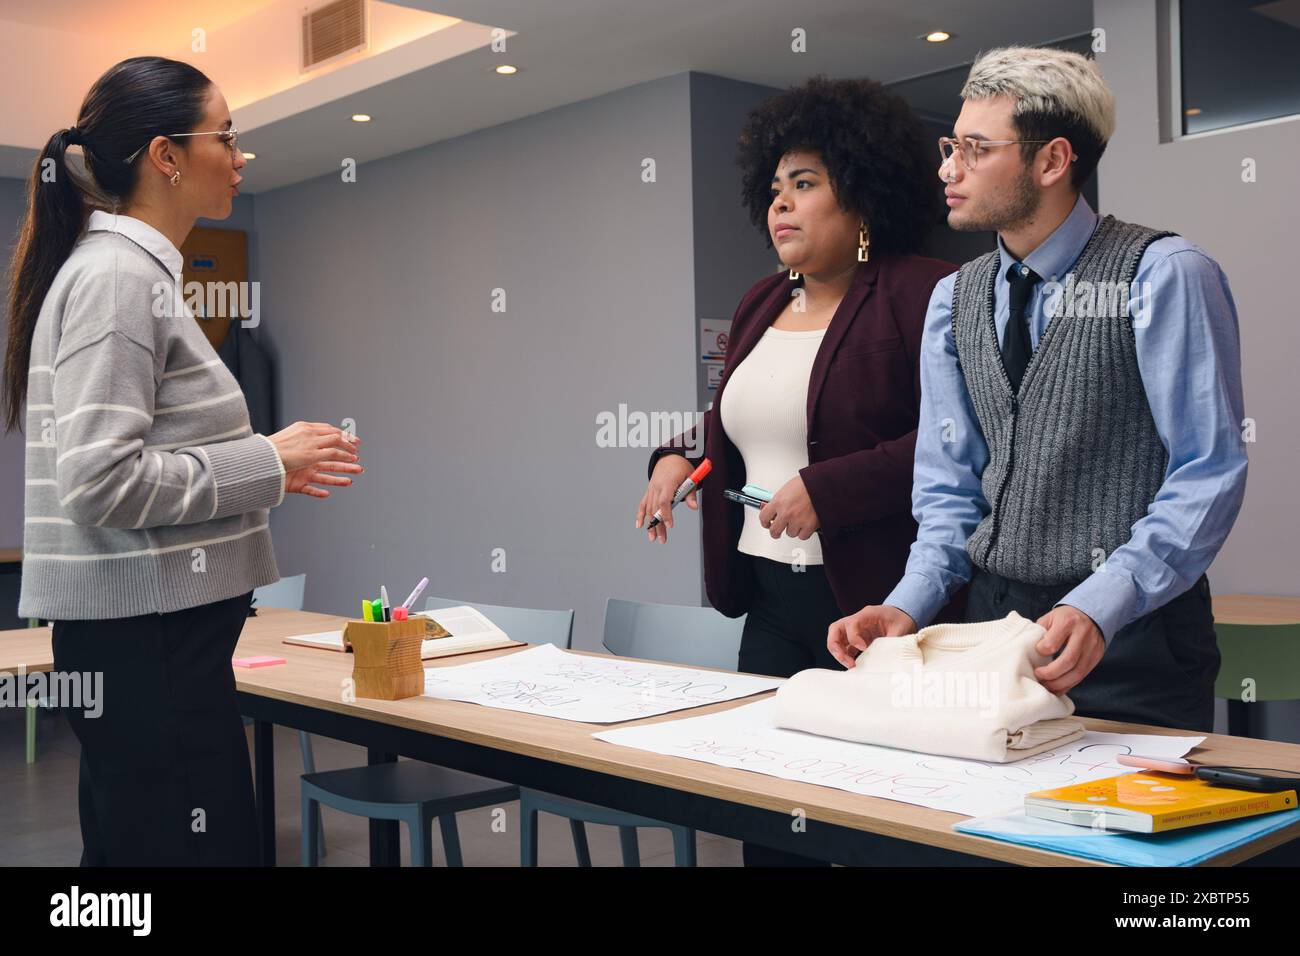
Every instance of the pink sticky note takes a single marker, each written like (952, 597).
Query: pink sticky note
(262, 660)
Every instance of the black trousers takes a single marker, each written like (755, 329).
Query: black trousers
(1159, 670)
(165, 776)
(785, 632)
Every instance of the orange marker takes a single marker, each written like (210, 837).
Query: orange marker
(686, 487)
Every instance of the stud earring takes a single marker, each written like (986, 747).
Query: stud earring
(176, 178)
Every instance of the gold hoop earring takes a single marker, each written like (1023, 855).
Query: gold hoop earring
(864, 244)
(176, 178)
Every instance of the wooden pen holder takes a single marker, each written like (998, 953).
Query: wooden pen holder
(386, 661)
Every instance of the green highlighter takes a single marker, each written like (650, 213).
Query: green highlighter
(377, 611)
(754, 491)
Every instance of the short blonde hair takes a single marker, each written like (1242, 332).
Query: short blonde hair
(1055, 93)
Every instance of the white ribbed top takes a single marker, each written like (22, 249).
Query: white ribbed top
(764, 411)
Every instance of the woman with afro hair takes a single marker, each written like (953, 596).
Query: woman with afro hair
(820, 394)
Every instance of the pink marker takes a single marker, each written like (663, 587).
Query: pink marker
(419, 589)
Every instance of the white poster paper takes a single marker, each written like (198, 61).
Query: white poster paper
(745, 738)
(595, 690)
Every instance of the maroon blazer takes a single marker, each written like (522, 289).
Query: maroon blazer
(864, 401)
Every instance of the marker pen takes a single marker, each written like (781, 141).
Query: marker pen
(419, 589)
(388, 608)
(686, 487)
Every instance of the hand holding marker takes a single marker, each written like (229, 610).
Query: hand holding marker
(684, 489)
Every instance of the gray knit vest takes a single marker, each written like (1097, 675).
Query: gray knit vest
(1074, 456)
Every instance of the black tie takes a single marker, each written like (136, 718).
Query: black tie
(1015, 337)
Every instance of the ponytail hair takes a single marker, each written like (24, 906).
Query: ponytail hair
(135, 101)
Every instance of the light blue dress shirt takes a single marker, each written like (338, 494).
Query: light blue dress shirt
(1189, 355)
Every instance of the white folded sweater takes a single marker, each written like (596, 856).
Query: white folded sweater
(958, 690)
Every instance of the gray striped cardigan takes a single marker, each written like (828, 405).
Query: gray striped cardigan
(147, 490)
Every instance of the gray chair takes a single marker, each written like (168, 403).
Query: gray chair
(415, 792)
(693, 636)
(409, 791)
(288, 593)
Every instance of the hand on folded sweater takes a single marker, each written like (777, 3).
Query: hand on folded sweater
(1080, 642)
(957, 690)
(849, 636)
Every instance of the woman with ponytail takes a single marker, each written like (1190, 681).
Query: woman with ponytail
(147, 492)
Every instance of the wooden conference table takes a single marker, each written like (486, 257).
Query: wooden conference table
(562, 757)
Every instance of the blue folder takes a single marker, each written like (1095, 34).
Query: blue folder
(1173, 848)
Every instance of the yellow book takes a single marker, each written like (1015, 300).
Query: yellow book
(1151, 802)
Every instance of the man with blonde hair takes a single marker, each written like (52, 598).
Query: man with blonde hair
(1079, 457)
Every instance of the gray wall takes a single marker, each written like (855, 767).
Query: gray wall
(479, 429)
(243, 215)
(1194, 187)
(12, 450)
(730, 254)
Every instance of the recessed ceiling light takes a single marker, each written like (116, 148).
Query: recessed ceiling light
(361, 117)
(937, 36)
(248, 155)
(1192, 111)
(506, 69)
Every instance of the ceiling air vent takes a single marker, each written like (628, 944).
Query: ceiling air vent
(334, 30)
